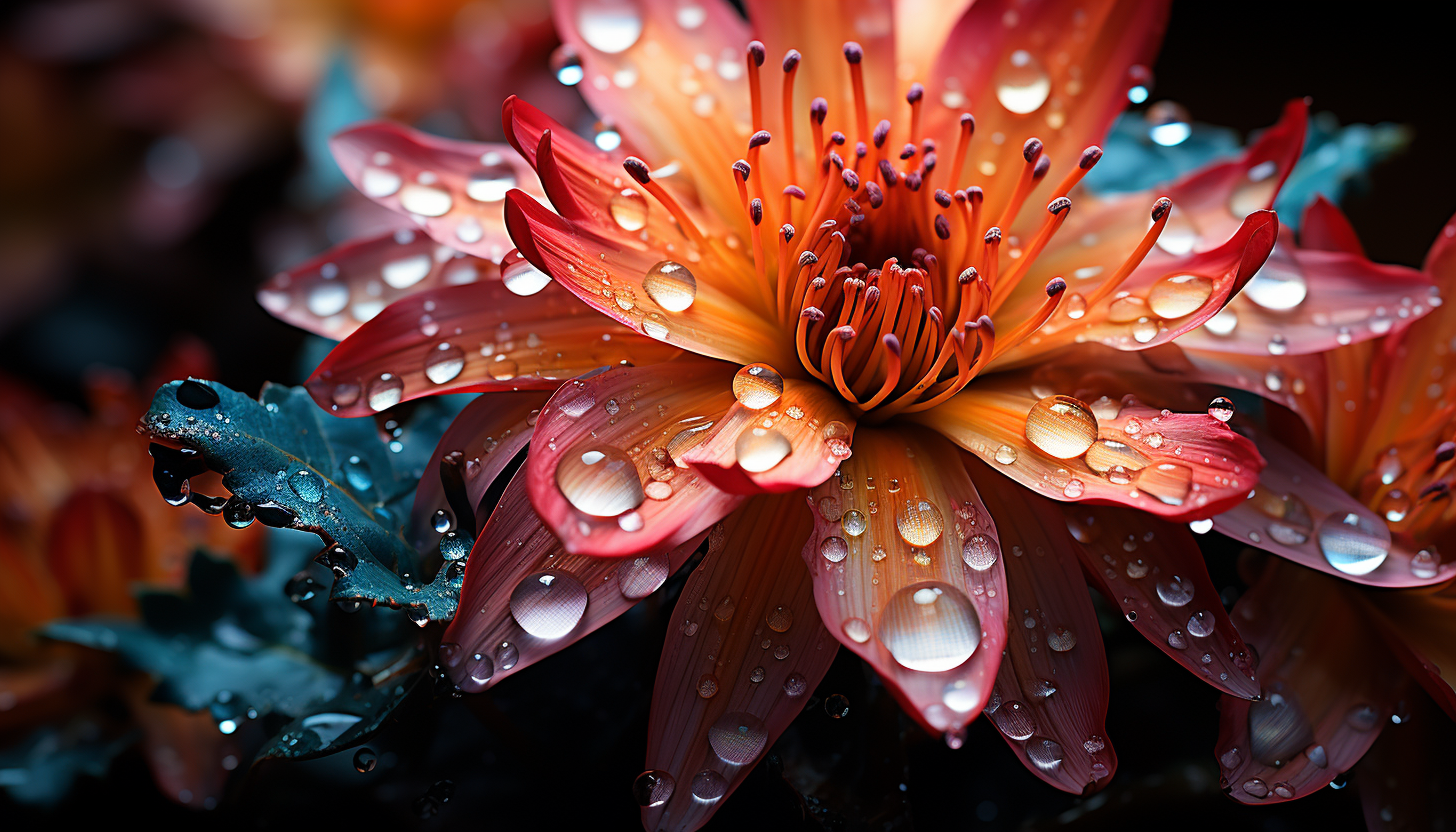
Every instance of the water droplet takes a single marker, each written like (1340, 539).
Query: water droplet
(548, 604)
(930, 627)
(1353, 543)
(738, 738)
(1362, 718)
(1061, 427)
(407, 271)
(1201, 624)
(652, 788)
(1221, 409)
(506, 655)
(1044, 753)
(760, 449)
(1076, 306)
(301, 588)
(1107, 454)
(444, 363)
(1061, 639)
(520, 277)
(640, 577)
(857, 629)
(609, 26)
(378, 183)
(757, 386)
(1425, 564)
(707, 686)
(919, 521)
(853, 522)
(425, 200)
(601, 481)
(492, 182)
(385, 392)
(307, 485)
(1014, 720)
(1178, 295)
(836, 705)
(779, 619)
(1256, 787)
(1175, 592)
(1022, 85)
(1005, 454)
(629, 209)
(1169, 482)
(365, 760)
(1074, 489)
(479, 669)
(1277, 286)
(1317, 755)
(709, 786)
(979, 552)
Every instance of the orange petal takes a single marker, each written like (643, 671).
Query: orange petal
(1055, 69)
(1154, 571)
(453, 189)
(610, 278)
(670, 77)
(525, 597)
(809, 423)
(332, 294)
(1297, 513)
(1420, 626)
(1051, 694)
(1328, 688)
(29, 593)
(487, 435)
(745, 651)
(921, 30)
(1176, 465)
(908, 573)
(471, 338)
(96, 551)
(1164, 298)
(605, 470)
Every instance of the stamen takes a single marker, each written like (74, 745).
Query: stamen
(637, 169)
(963, 142)
(854, 54)
(754, 59)
(1055, 288)
(914, 96)
(1031, 152)
(809, 315)
(741, 171)
(1058, 211)
(1162, 209)
(781, 297)
(891, 350)
(1090, 157)
(836, 359)
(991, 256)
(818, 111)
(791, 68)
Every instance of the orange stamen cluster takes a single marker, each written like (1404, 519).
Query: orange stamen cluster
(904, 336)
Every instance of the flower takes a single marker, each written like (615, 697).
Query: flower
(824, 282)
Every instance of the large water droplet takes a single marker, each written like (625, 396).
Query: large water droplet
(673, 287)
(760, 449)
(1014, 720)
(1201, 624)
(1277, 286)
(930, 627)
(1005, 454)
(425, 200)
(327, 298)
(493, 181)
(548, 604)
(307, 485)
(520, 277)
(1221, 408)
(1175, 592)
(444, 363)
(834, 549)
(629, 209)
(1022, 85)
(1169, 482)
(919, 521)
(600, 480)
(709, 786)
(757, 386)
(738, 738)
(979, 552)
(385, 392)
(407, 271)
(1061, 426)
(652, 788)
(1353, 543)
(1178, 295)
(378, 182)
(1044, 753)
(857, 629)
(640, 577)
(609, 26)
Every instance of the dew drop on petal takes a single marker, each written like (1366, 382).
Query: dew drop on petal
(385, 392)
(653, 788)
(1014, 720)
(601, 481)
(1353, 543)
(757, 386)
(857, 629)
(425, 200)
(548, 604)
(1221, 408)
(760, 449)
(739, 738)
(709, 786)
(520, 277)
(406, 271)
(929, 627)
(673, 287)
(919, 521)
(854, 523)
(1022, 84)
(444, 363)
(1045, 754)
(1061, 427)
(1201, 624)
(641, 576)
(834, 549)
(979, 552)
(1005, 454)
(609, 26)
(629, 210)
(1178, 295)
(307, 485)
(377, 183)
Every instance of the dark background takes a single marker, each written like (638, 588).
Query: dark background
(559, 748)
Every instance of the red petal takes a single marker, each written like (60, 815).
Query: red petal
(1155, 573)
(364, 277)
(471, 338)
(635, 422)
(96, 551)
(453, 189)
(745, 651)
(488, 434)
(1328, 688)
(1297, 513)
(1326, 228)
(1192, 465)
(930, 613)
(1401, 778)
(525, 597)
(1051, 692)
(1065, 68)
(1420, 626)
(816, 428)
(609, 277)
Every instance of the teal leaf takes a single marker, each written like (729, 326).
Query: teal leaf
(350, 718)
(40, 769)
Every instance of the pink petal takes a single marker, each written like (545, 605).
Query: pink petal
(486, 435)
(609, 276)
(453, 189)
(1155, 574)
(471, 338)
(1297, 513)
(1328, 688)
(908, 573)
(814, 425)
(333, 294)
(745, 651)
(1050, 702)
(634, 422)
(525, 597)
(1181, 465)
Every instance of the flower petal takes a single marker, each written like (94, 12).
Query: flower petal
(809, 422)
(453, 189)
(471, 338)
(635, 423)
(908, 573)
(1399, 779)
(1177, 465)
(669, 76)
(745, 651)
(1194, 287)
(525, 597)
(1051, 693)
(96, 550)
(486, 436)
(1154, 572)
(1325, 227)
(1328, 688)
(1297, 513)
(1420, 626)
(610, 278)
(332, 294)
(1056, 69)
